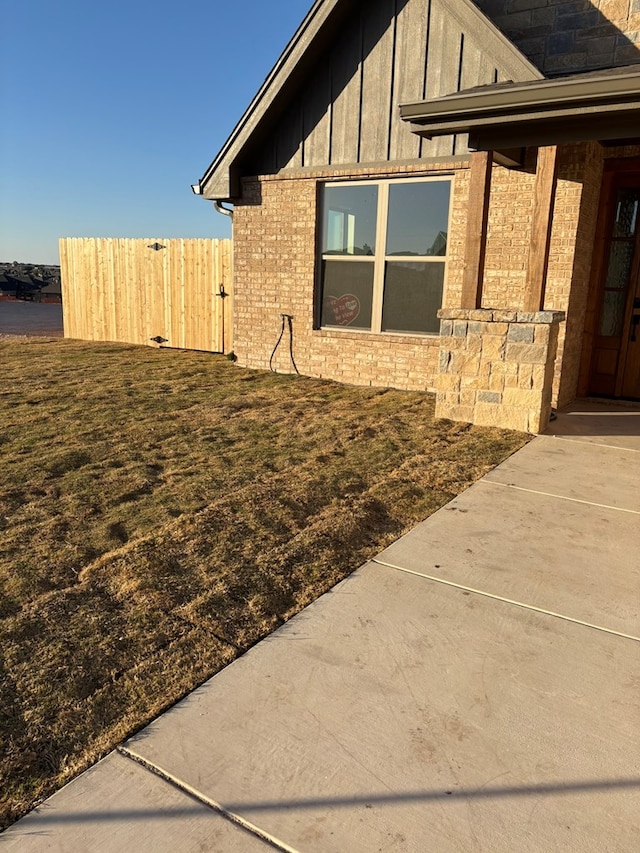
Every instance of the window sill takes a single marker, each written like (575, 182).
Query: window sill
(430, 338)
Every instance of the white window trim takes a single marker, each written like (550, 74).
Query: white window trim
(380, 258)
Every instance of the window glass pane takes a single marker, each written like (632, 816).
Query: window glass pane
(349, 226)
(418, 218)
(626, 221)
(347, 293)
(612, 313)
(619, 265)
(412, 297)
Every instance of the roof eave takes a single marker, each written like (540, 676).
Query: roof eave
(517, 97)
(574, 109)
(460, 123)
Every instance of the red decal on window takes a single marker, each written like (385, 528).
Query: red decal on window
(345, 309)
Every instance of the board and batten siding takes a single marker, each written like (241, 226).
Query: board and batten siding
(124, 291)
(388, 52)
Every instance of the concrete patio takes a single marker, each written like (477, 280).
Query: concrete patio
(476, 687)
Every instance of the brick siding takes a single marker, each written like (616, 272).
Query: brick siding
(575, 214)
(274, 271)
(275, 264)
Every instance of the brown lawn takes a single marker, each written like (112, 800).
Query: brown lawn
(161, 511)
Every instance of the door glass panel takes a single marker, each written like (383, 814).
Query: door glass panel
(619, 265)
(612, 315)
(350, 215)
(347, 293)
(621, 244)
(626, 221)
(412, 297)
(418, 218)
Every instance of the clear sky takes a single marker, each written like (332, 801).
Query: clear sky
(110, 111)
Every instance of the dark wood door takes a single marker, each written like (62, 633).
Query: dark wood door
(615, 365)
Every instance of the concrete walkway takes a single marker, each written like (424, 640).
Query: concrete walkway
(476, 687)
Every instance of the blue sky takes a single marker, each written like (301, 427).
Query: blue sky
(111, 111)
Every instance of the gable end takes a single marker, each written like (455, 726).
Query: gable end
(333, 96)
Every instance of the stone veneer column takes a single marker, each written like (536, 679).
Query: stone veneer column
(496, 367)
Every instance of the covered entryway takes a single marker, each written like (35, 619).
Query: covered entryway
(593, 116)
(614, 369)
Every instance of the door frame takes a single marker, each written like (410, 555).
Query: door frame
(617, 172)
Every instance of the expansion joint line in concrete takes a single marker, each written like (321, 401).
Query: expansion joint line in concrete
(591, 443)
(206, 801)
(559, 497)
(506, 600)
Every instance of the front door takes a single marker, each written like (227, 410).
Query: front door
(615, 365)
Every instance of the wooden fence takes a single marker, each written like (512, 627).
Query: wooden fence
(134, 290)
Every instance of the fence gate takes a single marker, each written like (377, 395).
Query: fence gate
(132, 291)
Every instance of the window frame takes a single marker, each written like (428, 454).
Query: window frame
(379, 258)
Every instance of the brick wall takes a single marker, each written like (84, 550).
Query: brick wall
(575, 213)
(508, 233)
(274, 270)
(568, 36)
(275, 260)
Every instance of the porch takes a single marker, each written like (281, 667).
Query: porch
(506, 361)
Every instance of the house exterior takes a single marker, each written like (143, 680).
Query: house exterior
(445, 196)
(23, 281)
(7, 287)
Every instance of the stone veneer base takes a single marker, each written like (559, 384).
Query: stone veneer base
(496, 367)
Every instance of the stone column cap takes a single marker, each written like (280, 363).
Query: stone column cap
(499, 315)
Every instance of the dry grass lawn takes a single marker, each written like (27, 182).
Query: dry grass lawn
(161, 511)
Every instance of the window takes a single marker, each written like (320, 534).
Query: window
(383, 254)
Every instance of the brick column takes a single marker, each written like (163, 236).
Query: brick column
(496, 367)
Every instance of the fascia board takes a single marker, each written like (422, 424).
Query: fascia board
(465, 125)
(515, 98)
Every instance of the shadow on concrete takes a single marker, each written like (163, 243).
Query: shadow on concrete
(366, 800)
(605, 420)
